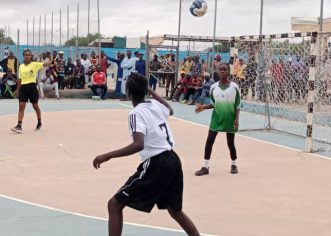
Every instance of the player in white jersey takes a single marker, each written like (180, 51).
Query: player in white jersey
(159, 178)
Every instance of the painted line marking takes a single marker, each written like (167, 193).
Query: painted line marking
(90, 217)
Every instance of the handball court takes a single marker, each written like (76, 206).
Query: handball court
(49, 186)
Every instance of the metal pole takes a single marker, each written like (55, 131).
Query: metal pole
(39, 33)
(261, 17)
(45, 29)
(88, 22)
(68, 25)
(27, 32)
(214, 35)
(33, 31)
(99, 49)
(77, 31)
(18, 48)
(321, 15)
(147, 55)
(8, 34)
(178, 36)
(52, 28)
(60, 27)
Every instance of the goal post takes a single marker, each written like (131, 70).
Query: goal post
(285, 81)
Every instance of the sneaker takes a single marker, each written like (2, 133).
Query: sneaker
(234, 169)
(38, 127)
(17, 129)
(202, 171)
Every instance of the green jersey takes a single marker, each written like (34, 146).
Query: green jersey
(226, 100)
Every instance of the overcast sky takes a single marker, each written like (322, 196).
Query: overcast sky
(133, 18)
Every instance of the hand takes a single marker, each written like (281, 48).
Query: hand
(236, 123)
(99, 160)
(16, 93)
(199, 108)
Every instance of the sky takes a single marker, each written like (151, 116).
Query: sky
(132, 18)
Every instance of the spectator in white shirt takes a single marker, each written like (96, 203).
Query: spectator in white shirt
(47, 83)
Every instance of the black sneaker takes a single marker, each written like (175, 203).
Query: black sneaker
(202, 171)
(38, 127)
(17, 129)
(234, 169)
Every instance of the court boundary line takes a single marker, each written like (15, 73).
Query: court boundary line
(244, 136)
(90, 217)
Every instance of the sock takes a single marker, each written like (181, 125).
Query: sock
(39, 121)
(206, 164)
(19, 123)
(234, 163)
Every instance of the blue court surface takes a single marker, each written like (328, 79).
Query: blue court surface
(18, 217)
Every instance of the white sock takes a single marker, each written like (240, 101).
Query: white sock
(234, 163)
(206, 164)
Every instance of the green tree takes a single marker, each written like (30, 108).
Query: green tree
(223, 47)
(5, 40)
(82, 41)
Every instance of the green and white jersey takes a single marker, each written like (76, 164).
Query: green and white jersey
(226, 100)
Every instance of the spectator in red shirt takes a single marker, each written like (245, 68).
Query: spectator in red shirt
(104, 63)
(99, 81)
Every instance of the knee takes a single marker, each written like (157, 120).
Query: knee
(114, 205)
(174, 214)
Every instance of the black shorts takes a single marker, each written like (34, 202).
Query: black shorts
(158, 180)
(28, 92)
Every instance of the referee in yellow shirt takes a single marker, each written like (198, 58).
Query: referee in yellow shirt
(27, 88)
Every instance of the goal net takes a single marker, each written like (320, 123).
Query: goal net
(285, 81)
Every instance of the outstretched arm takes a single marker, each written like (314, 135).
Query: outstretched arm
(199, 108)
(161, 100)
(136, 146)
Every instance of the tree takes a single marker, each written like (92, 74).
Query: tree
(223, 47)
(82, 41)
(5, 40)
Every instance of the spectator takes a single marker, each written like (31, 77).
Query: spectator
(104, 62)
(99, 81)
(241, 76)
(171, 75)
(61, 68)
(93, 59)
(8, 84)
(141, 65)
(192, 88)
(86, 63)
(55, 68)
(188, 65)
(47, 83)
(9, 62)
(179, 87)
(79, 75)
(69, 73)
(202, 92)
(43, 59)
(197, 67)
(251, 75)
(277, 82)
(299, 78)
(128, 66)
(216, 66)
(118, 61)
(155, 66)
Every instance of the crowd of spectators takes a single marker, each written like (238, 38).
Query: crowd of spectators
(287, 78)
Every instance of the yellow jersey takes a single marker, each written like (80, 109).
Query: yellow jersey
(11, 65)
(28, 73)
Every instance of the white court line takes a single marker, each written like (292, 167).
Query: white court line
(244, 136)
(90, 217)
